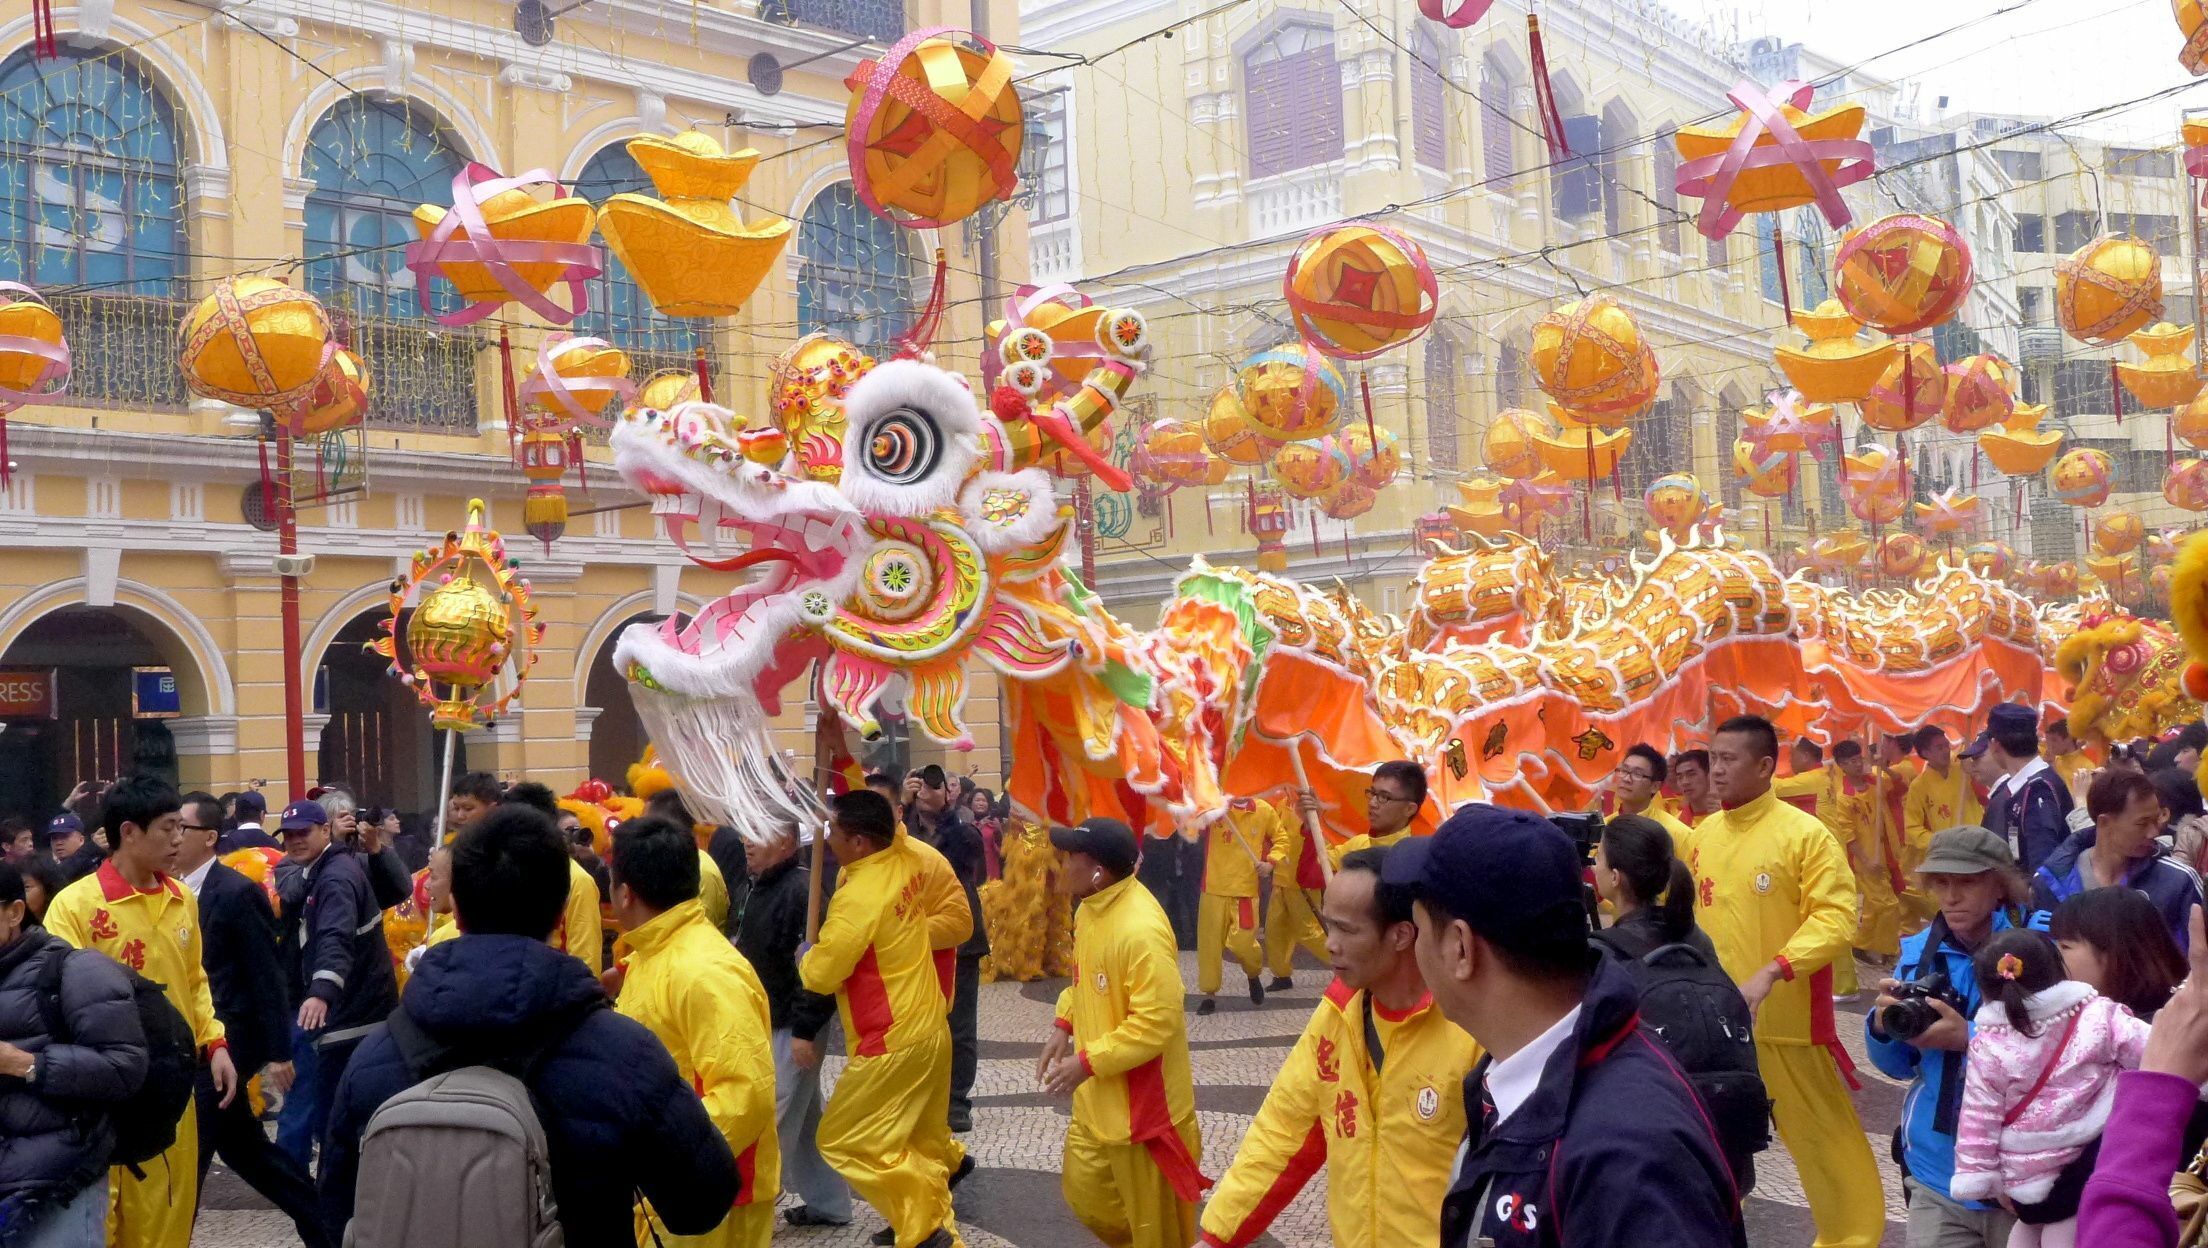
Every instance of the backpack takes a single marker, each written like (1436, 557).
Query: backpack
(466, 1137)
(144, 1124)
(1692, 1005)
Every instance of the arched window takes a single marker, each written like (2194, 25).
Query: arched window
(1669, 232)
(1429, 102)
(1618, 141)
(1496, 128)
(1510, 376)
(92, 213)
(1292, 92)
(854, 279)
(619, 311)
(1575, 182)
(1441, 402)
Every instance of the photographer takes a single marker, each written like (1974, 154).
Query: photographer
(1921, 1031)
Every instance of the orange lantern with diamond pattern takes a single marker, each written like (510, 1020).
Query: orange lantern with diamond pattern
(1981, 393)
(1507, 448)
(1590, 357)
(1902, 273)
(2185, 486)
(1910, 392)
(1230, 435)
(1358, 290)
(933, 129)
(255, 343)
(2108, 289)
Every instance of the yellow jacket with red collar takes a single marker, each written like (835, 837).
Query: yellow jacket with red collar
(1936, 803)
(873, 954)
(943, 901)
(154, 932)
(1388, 1137)
(1772, 884)
(1124, 1010)
(1233, 846)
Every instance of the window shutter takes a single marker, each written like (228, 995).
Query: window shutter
(1496, 165)
(1294, 104)
(1577, 179)
(1429, 115)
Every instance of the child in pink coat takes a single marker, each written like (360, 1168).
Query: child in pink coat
(2037, 1090)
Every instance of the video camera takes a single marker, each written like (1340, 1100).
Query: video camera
(1585, 829)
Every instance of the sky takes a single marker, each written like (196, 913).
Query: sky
(2041, 57)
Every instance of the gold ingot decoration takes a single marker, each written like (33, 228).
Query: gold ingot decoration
(2165, 378)
(2108, 289)
(1836, 365)
(1581, 450)
(2019, 447)
(688, 249)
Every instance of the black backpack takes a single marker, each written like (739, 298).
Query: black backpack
(1692, 1005)
(145, 1125)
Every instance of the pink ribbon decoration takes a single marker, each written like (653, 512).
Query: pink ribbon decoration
(1457, 17)
(2196, 164)
(54, 377)
(1711, 177)
(548, 389)
(470, 187)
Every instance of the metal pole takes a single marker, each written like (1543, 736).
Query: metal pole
(287, 542)
(2192, 215)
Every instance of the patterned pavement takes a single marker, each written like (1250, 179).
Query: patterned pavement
(1012, 1200)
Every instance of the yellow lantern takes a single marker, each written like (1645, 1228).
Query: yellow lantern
(576, 378)
(933, 129)
(1373, 466)
(2166, 377)
(1789, 426)
(1310, 469)
(1836, 366)
(1870, 484)
(1902, 554)
(500, 244)
(2107, 289)
(1231, 436)
(1292, 393)
(2186, 485)
(1981, 393)
(1910, 392)
(1173, 455)
(2119, 533)
(1358, 290)
(2192, 22)
(256, 343)
(340, 398)
(1675, 503)
(1902, 273)
(2083, 478)
(2019, 447)
(1507, 448)
(34, 354)
(1349, 500)
(1992, 560)
(1768, 476)
(1590, 357)
(689, 249)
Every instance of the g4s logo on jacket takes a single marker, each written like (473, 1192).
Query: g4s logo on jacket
(1517, 1213)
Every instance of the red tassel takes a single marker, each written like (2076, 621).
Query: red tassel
(7, 470)
(705, 374)
(45, 44)
(1778, 253)
(1364, 384)
(1908, 483)
(1587, 503)
(1316, 549)
(2116, 394)
(916, 340)
(1208, 530)
(582, 462)
(1544, 93)
(1249, 505)
(513, 403)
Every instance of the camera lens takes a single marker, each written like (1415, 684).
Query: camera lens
(1906, 1020)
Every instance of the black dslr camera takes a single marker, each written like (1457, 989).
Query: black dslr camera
(1585, 829)
(1912, 1014)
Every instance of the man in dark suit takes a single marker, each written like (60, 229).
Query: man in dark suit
(238, 945)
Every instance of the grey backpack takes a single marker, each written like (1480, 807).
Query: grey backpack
(459, 1160)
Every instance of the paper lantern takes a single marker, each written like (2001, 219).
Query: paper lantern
(1269, 525)
(1374, 466)
(2061, 579)
(2190, 422)
(1836, 365)
(576, 378)
(1902, 273)
(2083, 478)
(1527, 502)
(1581, 450)
(1292, 393)
(1765, 476)
(2192, 22)
(255, 343)
(1981, 393)
(1992, 560)
(2119, 533)
(1675, 502)
(1771, 156)
(1870, 484)
(499, 244)
(1910, 392)
(1902, 555)
(34, 352)
(1172, 454)
(1310, 469)
(1358, 290)
(1231, 436)
(2196, 148)
(2185, 486)
(473, 633)
(1507, 448)
(2166, 377)
(1590, 357)
(1349, 500)
(933, 129)
(340, 397)
(1949, 513)
(544, 460)
(2019, 447)
(2107, 289)
(1789, 426)
(687, 247)
(1837, 552)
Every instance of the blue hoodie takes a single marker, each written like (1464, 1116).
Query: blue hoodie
(1935, 1094)
(2167, 882)
(617, 1116)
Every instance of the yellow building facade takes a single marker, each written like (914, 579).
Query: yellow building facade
(174, 144)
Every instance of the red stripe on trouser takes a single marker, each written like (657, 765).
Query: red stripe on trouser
(1246, 912)
(1305, 1162)
(1150, 1124)
(1821, 1030)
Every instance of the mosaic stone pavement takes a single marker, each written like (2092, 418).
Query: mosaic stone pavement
(1012, 1200)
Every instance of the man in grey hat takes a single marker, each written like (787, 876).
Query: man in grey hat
(1970, 873)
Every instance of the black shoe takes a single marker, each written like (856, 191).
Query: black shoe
(1257, 991)
(961, 1121)
(941, 1239)
(1206, 1006)
(1281, 983)
(886, 1237)
(965, 1167)
(804, 1215)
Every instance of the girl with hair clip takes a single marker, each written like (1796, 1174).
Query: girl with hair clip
(2037, 1089)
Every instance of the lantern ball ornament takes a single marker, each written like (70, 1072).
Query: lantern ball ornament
(1310, 469)
(2192, 22)
(933, 128)
(2119, 533)
(500, 244)
(544, 460)
(1909, 393)
(1771, 156)
(1350, 499)
(1902, 555)
(1231, 436)
(1373, 466)
(2185, 486)
(2165, 378)
(1358, 290)
(1173, 454)
(1870, 484)
(576, 378)
(1292, 393)
(1508, 449)
(1675, 502)
(34, 352)
(689, 250)
(1993, 560)
(1766, 475)
(340, 398)
(255, 342)
(1902, 273)
(473, 628)
(2083, 477)
(2108, 289)
(1981, 393)
(1590, 357)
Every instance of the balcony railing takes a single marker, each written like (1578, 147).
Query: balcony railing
(882, 20)
(421, 377)
(1295, 201)
(2037, 343)
(123, 350)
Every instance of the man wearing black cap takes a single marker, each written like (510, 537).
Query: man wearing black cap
(1121, 1050)
(1582, 1129)
(2030, 807)
(245, 832)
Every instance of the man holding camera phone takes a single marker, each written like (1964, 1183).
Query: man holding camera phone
(1921, 1030)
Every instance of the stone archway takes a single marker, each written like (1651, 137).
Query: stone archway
(617, 736)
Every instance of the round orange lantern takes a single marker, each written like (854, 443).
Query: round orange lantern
(1675, 503)
(34, 353)
(1173, 454)
(1358, 290)
(1910, 392)
(1903, 273)
(1902, 554)
(1310, 469)
(340, 398)
(1981, 393)
(933, 128)
(2190, 423)
(2186, 485)
(2107, 289)
(2083, 477)
(2118, 534)
(1507, 448)
(1769, 475)
(1350, 499)
(2192, 22)
(1870, 484)
(1231, 436)
(1590, 357)
(1373, 465)
(1292, 393)
(1992, 560)
(256, 343)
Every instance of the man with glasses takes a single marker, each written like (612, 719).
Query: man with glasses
(1398, 790)
(1636, 788)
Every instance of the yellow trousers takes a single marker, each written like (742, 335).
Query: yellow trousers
(1809, 1102)
(887, 1132)
(157, 1211)
(1289, 924)
(746, 1226)
(1118, 1192)
(1224, 923)
(1878, 922)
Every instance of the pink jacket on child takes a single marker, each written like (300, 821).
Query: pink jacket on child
(2012, 1141)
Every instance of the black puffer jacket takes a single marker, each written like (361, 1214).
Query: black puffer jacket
(54, 1138)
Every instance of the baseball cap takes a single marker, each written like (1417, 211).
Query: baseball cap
(299, 816)
(1977, 745)
(64, 823)
(1513, 877)
(932, 776)
(1109, 841)
(2008, 717)
(250, 806)
(1967, 850)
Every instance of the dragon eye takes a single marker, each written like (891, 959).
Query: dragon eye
(904, 447)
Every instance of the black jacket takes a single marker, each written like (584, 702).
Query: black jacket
(617, 1115)
(2034, 821)
(333, 941)
(1612, 1150)
(768, 932)
(959, 841)
(54, 1138)
(248, 836)
(1641, 933)
(388, 879)
(238, 946)
(726, 849)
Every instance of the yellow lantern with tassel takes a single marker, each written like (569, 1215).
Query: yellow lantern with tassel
(255, 342)
(340, 398)
(1910, 392)
(1590, 357)
(687, 247)
(2108, 289)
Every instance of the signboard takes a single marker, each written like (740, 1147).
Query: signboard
(27, 693)
(153, 694)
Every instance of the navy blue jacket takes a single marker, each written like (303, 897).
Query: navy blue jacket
(617, 1116)
(1612, 1150)
(2168, 883)
(333, 939)
(2035, 821)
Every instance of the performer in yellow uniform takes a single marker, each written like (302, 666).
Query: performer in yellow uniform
(2067, 757)
(1861, 830)
(1772, 891)
(582, 929)
(1121, 1050)
(1226, 912)
(132, 911)
(1941, 797)
(1636, 788)
(1385, 1124)
(702, 999)
(1296, 886)
(887, 1128)
(1811, 785)
(1690, 779)
(1398, 789)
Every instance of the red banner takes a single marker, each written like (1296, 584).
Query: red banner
(26, 693)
